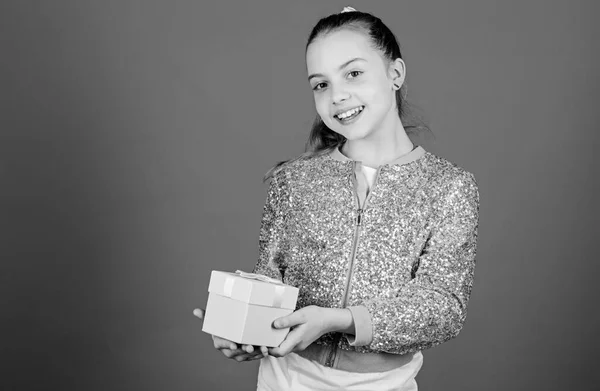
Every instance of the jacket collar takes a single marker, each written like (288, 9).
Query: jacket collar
(413, 155)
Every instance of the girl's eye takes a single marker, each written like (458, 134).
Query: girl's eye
(355, 73)
(319, 86)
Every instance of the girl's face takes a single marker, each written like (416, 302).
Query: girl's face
(352, 84)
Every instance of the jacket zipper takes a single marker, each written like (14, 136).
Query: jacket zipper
(360, 210)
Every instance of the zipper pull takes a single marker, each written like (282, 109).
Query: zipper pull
(359, 217)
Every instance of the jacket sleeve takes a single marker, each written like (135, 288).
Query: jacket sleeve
(432, 307)
(271, 236)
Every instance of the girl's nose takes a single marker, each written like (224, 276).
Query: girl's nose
(339, 95)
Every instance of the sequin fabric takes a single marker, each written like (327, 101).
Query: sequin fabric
(413, 260)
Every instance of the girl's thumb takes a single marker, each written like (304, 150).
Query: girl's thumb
(199, 313)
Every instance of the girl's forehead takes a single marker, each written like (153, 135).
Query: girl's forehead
(334, 49)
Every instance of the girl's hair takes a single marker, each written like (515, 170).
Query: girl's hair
(323, 140)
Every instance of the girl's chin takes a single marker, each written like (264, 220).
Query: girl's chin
(348, 132)
(351, 134)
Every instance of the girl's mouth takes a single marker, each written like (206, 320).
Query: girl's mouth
(349, 115)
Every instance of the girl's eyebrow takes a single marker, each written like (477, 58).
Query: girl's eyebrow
(339, 68)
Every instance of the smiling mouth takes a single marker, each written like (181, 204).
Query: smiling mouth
(349, 115)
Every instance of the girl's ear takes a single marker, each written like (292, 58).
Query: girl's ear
(397, 73)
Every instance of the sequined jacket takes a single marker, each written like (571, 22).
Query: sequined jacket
(401, 257)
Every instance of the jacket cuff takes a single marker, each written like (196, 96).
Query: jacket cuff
(362, 326)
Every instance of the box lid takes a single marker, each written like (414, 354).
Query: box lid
(246, 287)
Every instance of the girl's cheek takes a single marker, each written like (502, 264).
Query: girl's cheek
(374, 95)
(321, 105)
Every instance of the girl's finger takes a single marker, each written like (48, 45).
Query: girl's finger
(199, 313)
(293, 319)
(241, 357)
(221, 343)
(248, 348)
(226, 346)
(264, 350)
(233, 353)
(288, 344)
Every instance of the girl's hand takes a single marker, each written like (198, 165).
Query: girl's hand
(233, 350)
(238, 352)
(308, 324)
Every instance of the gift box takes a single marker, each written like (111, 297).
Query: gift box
(242, 306)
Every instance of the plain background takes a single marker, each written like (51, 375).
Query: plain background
(134, 137)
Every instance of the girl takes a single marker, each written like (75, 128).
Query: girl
(379, 234)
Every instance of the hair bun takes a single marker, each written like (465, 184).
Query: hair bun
(348, 9)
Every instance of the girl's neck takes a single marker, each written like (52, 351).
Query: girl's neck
(388, 145)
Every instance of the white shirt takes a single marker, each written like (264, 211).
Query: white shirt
(369, 174)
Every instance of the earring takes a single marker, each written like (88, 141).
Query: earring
(396, 86)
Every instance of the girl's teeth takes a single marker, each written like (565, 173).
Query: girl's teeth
(349, 113)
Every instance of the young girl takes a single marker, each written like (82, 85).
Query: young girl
(378, 234)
